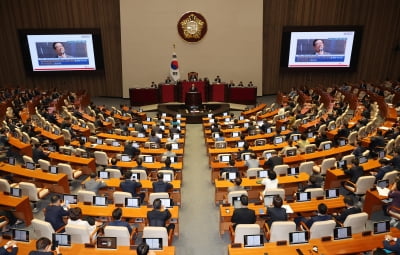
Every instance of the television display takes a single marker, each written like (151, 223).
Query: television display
(61, 50)
(320, 47)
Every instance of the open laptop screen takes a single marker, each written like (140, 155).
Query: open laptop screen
(341, 233)
(253, 240)
(278, 140)
(342, 142)
(20, 235)
(167, 177)
(331, 193)
(154, 243)
(135, 176)
(148, 159)
(99, 141)
(62, 239)
(236, 202)
(295, 137)
(104, 242)
(298, 237)
(99, 201)
(72, 199)
(381, 154)
(363, 159)
(11, 160)
(268, 199)
(327, 146)
(303, 196)
(132, 202)
(240, 144)
(235, 134)
(383, 184)
(342, 164)
(291, 152)
(225, 158)
(381, 227)
(231, 176)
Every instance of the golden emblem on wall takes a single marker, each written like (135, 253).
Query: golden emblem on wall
(192, 26)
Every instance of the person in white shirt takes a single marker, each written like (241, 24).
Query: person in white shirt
(253, 161)
(271, 182)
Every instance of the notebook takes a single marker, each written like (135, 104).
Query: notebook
(293, 171)
(154, 243)
(104, 242)
(53, 169)
(20, 235)
(381, 227)
(30, 165)
(62, 239)
(303, 196)
(15, 192)
(99, 201)
(253, 241)
(341, 233)
(298, 237)
(132, 202)
(103, 174)
(331, 193)
(167, 202)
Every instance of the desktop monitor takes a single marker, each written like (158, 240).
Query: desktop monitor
(268, 200)
(84, 154)
(99, 141)
(225, 158)
(62, 239)
(99, 201)
(331, 193)
(83, 138)
(327, 146)
(11, 160)
(115, 143)
(291, 152)
(148, 119)
(231, 176)
(20, 235)
(167, 177)
(235, 134)
(295, 137)
(332, 127)
(293, 171)
(154, 243)
(211, 121)
(298, 237)
(167, 202)
(103, 174)
(56, 131)
(240, 144)
(227, 119)
(148, 159)
(30, 165)
(163, 115)
(342, 164)
(72, 199)
(260, 123)
(278, 140)
(104, 242)
(304, 121)
(15, 192)
(381, 154)
(363, 159)
(131, 125)
(342, 142)
(215, 135)
(225, 114)
(382, 184)
(24, 139)
(135, 176)
(125, 158)
(381, 227)
(253, 241)
(83, 125)
(132, 202)
(303, 196)
(262, 174)
(175, 146)
(341, 233)
(67, 152)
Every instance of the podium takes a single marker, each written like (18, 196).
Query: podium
(193, 99)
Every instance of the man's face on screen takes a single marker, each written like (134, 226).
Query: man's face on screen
(319, 46)
(59, 48)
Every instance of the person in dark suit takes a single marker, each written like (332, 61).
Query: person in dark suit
(193, 88)
(243, 215)
(131, 186)
(385, 168)
(167, 166)
(246, 149)
(321, 216)
(395, 161)
(130, 150)
(60, 50)
(139, 162)
(358, 151)
(160, 185)
(392, 243)
(356, 171)
(55, 213)
(273, 161)
(230, 169)
(276, 213)
(377, 142)
(117, 214)
(350, 209)
(43, 247)
(158, 217)
(114, 164)
(38, 153)
(4, 248)
(94, 184)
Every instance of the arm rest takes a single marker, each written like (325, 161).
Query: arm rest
(350, 186)
(60, 229)
(134, 235)
(232, 233)
(303, 226)
(393, 211)
(4, 221)
(267, 231)
(170, 237)
(338, 222)
(95, 233)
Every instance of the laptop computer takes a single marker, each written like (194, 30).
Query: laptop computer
(176, 136)
(283, 128)
(15, 192)
(262, 174)
(362, 159)
(331, 193)
(154, 243)
(103, 175)
(211, 121)
(241, 117)
(236, 202)
(20, 235)
(72, 199)
(225, 114)
(246, 124)
(159, 135)
(115, 143)
(382, 184)
(342, 142)
(381, 154)
(298, 237)
(210, 115)
(62, 239)
(268, 199)
(99, 201)
(175, 146)
(253, 241)
(246, 156)
(310, 149)
(30, 165)
(381, 227)
(173, 159)
(132, 202)
(303, 196)
(268, 155)
(141, 135)
(293, 171)
(53, 169)
(167, 202)
(51, 148)
(104, 242)
(178, 115)
(295, 137)
(148, 159)
(235, 134)
(269, 131)
(125, 158)
(341, 233)
(310, 134)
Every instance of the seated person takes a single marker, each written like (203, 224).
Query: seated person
(276, 213)
(392, 244)
(160, 185)
(322, 216)
(167, 166)
(253, 161)
(95, 183)
(221, 137)
(273, 161)
(114, 164)
(237, 185)
(43, 247)
(395, 161)
(243, 215)
(246, 149)
(169, 152)
(75, 218)
(158, 216)
(358, 151)
(117, 215)
(153, 138)
(301, 144)
(230, 169)
(144, 249)
(130, 150)
(315, 181)
(356, 171)
(55, 213)
(271, 182)
(350, 209)
(139, 162)
(287, 147)
(385, 168)
(131, 186)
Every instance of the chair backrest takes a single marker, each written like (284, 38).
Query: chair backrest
(236, 193)
(252, 172)
(66, 169)
(356, 221)
(327, 164)
(44, 164)
(322, 128)
(389, 147)
(4, 185)
(29, 189)
(322, 228)
(275, 191)
(114, 173)
(109, 141)
(391, 176)
(322, 145)
(120, 232)
(101, 158)
(281, 169)
(306, 167)
(85, 196)
(66, 134)
(143, 174)
(348, 158)
(280, 230)
(92, 139)
(310, 146)
(352, 137)
(79, 234)
(364, 183)
(156, 195)
(362, 132)
(156, 232)
(315, 192)
(245, 229)
(119, 197)
(42, 228)
(365, 153)
(27, 159)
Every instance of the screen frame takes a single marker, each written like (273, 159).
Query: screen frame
(97, 49)
(355, 52)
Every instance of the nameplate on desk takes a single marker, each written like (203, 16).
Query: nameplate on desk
(320, 197)
(258, 203)
(326, 238)
(236, 245)
(89, 245)
(281, 243)
(252, 177)
(366, 233)
(87, 203)
(119, 205)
